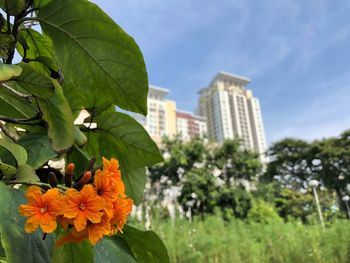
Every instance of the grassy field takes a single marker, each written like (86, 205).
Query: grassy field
(213, 240)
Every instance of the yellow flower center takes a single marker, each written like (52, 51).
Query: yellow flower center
(43, 209)
(82, 206)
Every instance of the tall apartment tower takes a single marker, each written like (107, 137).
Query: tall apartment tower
(161, 117)
(232, 112)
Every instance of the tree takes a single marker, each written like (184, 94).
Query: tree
(235, 163)
(79, 59)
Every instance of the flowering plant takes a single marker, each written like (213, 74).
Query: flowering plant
(58, 101)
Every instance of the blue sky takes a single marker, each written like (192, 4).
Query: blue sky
(297, 54)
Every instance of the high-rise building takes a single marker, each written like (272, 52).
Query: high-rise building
(189, 125)
(161, 118)
(232, 112)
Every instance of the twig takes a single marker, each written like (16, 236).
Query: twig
(61, 187)
(20, 121)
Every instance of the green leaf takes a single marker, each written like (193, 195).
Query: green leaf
(13, 7)
(38, 47)
(38, 148)
(7, 44)
(110, 250)
(79, 157)
(35, 82)
(79, 137)
(135, 181)
(109, 61)
(13, 106)
(16, 150)
(124, 138)
(18, 245)
(40, 3)
(6, 169)
(121, 137)
(58, 115)
(9, 71)
(26, 173)
(74, 253)
(146, 246)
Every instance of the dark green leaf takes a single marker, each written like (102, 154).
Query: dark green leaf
(16, 150)
(39, 48)
(7, 44)
(58, 115)
(35, 82)
(7, 169)
(146, 246)
(79, 157)
(9, 71)
(13, 106)
(121, 137)
(108, 60)
(74, 253)
(110, 250)
(135, 181)
(13, 7)
(38, 148)
(26, 173)
(126, 139)
(40, 3)
(19, 246)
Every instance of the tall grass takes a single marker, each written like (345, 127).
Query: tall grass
(214, 240)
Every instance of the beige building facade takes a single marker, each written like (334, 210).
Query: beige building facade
(232, 111)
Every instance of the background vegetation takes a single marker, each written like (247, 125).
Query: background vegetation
(218, 203)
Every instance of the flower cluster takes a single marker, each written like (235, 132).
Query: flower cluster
(96, 205)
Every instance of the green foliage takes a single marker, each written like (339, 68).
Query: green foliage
(116, 65)
(17, 244)
(80, 60)
(209, 176)
(215, 240)
(263, 212)
(9, 71)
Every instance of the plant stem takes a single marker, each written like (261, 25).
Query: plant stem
(20, 121)
(61, 187)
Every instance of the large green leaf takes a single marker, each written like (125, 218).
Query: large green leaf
(125, 138)
(95, 54)
(35, 82)
(26, 173)
(74, 253)
(145, 246)
(13, 7)
(18, 152)
(40, 3)
(58, 115)
(18, 245)
(135, 181)
(121, 137)
(9, 71)
(38, 148)
(110, 250)
(13, 106)
(38, 48)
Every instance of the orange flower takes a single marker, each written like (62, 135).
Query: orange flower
(41, 210)
(122, 208)
(82, 206)
(111, 168)
(94, 232)
(97, 231)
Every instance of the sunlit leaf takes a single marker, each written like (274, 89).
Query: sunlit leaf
(58, 115)
(95, 54)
